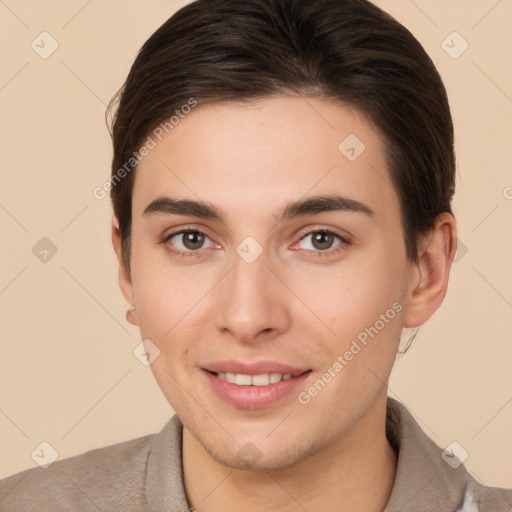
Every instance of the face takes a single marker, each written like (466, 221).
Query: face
(277, 314)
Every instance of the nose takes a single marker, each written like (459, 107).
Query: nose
(252, 306)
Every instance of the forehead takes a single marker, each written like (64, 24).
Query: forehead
(254, 157)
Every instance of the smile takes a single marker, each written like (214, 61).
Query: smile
(251, 389)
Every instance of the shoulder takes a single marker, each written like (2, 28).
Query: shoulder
(107, 478)
(430, 478)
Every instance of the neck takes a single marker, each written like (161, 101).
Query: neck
(354, 473)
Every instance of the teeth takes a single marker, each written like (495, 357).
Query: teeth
(242, 380)
(255, 380)
(275, 377)
(261, 380)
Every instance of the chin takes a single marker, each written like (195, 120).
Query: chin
(259, 456)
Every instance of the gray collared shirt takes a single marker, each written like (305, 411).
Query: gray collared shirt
(145, 474)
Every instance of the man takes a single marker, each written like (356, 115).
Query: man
(282, 180)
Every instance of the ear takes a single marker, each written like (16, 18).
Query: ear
(125, 280)
(429, 277)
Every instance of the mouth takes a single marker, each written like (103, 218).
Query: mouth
(254, 388)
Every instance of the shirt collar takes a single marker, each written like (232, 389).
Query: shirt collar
(165, 489)
(423, 481)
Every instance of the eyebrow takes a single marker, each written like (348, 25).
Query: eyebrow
(309, 206)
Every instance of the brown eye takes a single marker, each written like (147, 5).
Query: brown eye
(188, 242)
(193, 240)
(322, 240)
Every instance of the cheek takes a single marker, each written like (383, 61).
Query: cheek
(167, 295)
(350, 297)
(359, 351)
(361, 308)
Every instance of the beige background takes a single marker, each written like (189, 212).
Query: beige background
(68, 374)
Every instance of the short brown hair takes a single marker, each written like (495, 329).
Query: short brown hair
(347, 51)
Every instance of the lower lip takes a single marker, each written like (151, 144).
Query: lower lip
(254, 397)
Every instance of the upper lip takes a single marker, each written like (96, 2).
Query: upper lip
(253, 368)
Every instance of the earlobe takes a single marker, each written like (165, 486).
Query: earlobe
(429, 277)
(131, 316)
(125, 281)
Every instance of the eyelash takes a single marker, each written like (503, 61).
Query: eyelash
(318, 253)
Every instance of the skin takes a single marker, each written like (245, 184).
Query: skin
(299, 302)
